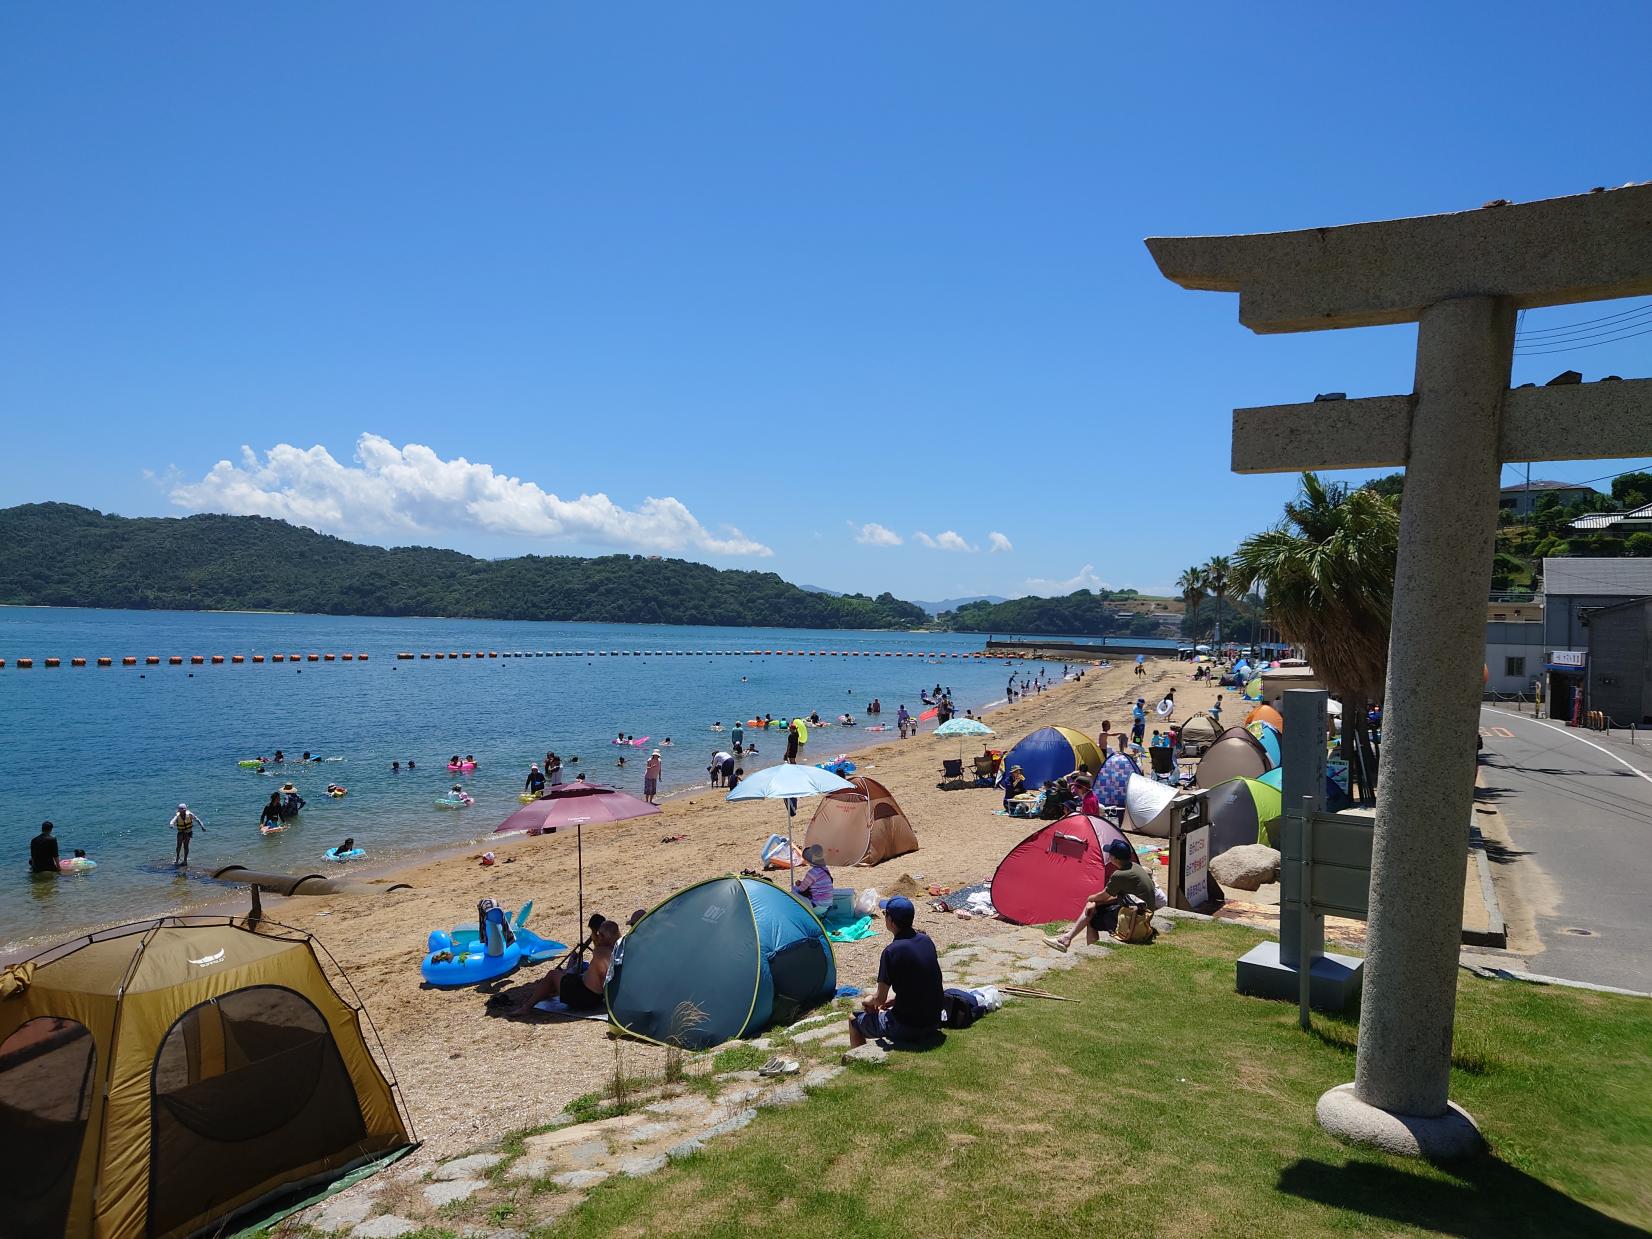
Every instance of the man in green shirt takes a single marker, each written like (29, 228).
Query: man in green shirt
(1101, 910)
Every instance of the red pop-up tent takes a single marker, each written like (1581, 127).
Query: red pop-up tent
(1049, 874)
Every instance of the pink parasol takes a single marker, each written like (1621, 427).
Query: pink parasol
(574, 804)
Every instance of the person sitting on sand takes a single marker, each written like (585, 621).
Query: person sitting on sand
(1015, 784)
(579, 990)
(1129, 880)
(816, 884)
(908, 967)
(1055, 802)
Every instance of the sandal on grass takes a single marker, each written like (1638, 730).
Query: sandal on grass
(778, 1066)
(1057, 943)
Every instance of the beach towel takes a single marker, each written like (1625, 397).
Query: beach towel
(852, 931)
(555, 1006)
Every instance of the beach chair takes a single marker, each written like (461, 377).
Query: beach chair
(952, 774)
(1164, 765)
(986, 771)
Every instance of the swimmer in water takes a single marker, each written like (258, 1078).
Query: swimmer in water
(666, 743)
(280, 756)
(410, 765)
(395, 767)
(349, 845)
(620, 762)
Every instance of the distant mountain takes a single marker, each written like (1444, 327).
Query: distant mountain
(57, 554)
(1081, 613)
(831, 593)
(952, 604)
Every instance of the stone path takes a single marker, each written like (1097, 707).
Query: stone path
(506, 1190)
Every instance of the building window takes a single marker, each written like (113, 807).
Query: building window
(1514, 666)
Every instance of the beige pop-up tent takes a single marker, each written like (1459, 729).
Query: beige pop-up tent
(862, 827)
(179, 1077)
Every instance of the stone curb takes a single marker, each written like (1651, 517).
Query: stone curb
(1535, 978)
(1495, 933)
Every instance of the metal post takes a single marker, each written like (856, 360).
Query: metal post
(1311, 936)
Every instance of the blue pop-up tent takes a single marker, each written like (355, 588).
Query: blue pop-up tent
(719, 960)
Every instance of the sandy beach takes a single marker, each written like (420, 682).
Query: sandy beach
(461, 1068)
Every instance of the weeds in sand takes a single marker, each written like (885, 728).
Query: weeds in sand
(502, 1213)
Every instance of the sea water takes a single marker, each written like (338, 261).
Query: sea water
(108, 753)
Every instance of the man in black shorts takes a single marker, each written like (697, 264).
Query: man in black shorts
(1129, 880)
(579, 991)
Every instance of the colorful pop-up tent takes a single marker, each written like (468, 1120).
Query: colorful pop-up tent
(1050, 873)
(1199, 732)
(1266, 714)
(1336, 799)
(860, 827)
(721, 959)
(1053, 753)
(1242, 811)
(1268, 735)
(1236, 754)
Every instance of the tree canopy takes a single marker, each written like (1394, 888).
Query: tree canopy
(1081, 613)
(57, 554)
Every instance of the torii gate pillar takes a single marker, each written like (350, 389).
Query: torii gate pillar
(1461, 278)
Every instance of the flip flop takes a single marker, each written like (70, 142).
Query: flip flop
(779, 1067)
(1057, 943)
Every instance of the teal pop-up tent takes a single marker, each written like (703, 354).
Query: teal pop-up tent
(719, 960)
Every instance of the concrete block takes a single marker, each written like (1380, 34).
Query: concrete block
(385, 1226)
(1333, 985)
(474, 1166)
(579, 1180)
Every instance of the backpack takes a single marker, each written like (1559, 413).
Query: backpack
(959, 1009)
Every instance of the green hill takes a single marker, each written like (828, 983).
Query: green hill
(57, 554)
(1081, 613)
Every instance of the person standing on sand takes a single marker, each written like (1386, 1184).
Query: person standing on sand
(651, 777)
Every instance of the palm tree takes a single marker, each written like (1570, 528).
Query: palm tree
(1192, 586)
(1216, 581)
(1328, 572)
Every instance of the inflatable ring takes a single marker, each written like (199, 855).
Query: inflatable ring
(352, 854)
(271, 830)
(76, 864)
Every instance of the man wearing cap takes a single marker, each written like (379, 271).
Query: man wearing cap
(1101, 910)
(183, 825)
(908, 967)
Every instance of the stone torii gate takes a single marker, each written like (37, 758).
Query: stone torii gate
(1461, 278)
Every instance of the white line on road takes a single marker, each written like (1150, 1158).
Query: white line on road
(1570, 736)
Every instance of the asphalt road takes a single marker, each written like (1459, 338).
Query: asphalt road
(1580, 824)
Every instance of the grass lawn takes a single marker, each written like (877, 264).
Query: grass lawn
(1164, 1103)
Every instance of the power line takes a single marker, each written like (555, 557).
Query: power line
(1537, 352)
(1586, 333)
(1588, 322)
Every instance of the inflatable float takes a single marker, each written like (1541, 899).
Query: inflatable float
(76, 864)
(252, 763)
(449, 964)
(635, 742)
(455, 800)
(272, 830)
(461, 765)
(840, 765)
(352, 854)
(527, 797)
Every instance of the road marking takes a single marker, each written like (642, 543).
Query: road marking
(1570, 736)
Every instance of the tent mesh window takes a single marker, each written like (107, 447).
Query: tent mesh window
(799, 975)
(45, 1099)
(245, 1087)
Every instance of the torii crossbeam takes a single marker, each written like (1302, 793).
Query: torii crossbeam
(1461, 278)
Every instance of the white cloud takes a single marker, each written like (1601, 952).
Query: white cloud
(998, 542)
(947, 540)
(1084, 578)
(874, 534)
(404, 491)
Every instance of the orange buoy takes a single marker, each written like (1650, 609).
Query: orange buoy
(424, 655)
(326, 658)
(106, 662)
(197, 660)
(493, 654)
(315, 658)
(217, 659)
(25, 662)
(238, 658)
(54, 662)
(361, 658)
(404, 655)
(174, 660)
(257, 658)
(151, 660)
(278, 658)
(79, 662)
(347, 658)
(129, 661)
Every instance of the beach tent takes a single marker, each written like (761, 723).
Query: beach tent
(1253, 687)
(1114, 780)
(1236, 754)
(1049, 874)
(1199, 731)
(860, 827)
(1268, 715)
(1336, 797)
(185, 1075)
(1053, 753)
(1242, 811)
(1268, 736)
(722, 959)
(1147, 806)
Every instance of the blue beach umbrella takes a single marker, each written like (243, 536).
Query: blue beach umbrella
(789, 781)
(962, 727)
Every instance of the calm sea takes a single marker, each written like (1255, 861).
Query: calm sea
(107, 753)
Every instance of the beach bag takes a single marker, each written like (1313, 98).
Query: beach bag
(1135, 922)
(866, 902)
(959, 1009)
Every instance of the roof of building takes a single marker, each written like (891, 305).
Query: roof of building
(1602, 578)
(1605, 520)
(1543, 484)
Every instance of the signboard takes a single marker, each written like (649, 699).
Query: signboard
(1337, 772)
(1196, 866)
(1567, 659)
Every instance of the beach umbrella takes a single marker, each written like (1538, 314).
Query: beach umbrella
(789, 782)
(962, 727)
(574, 804)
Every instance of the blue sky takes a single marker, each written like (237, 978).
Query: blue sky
(762, 275)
